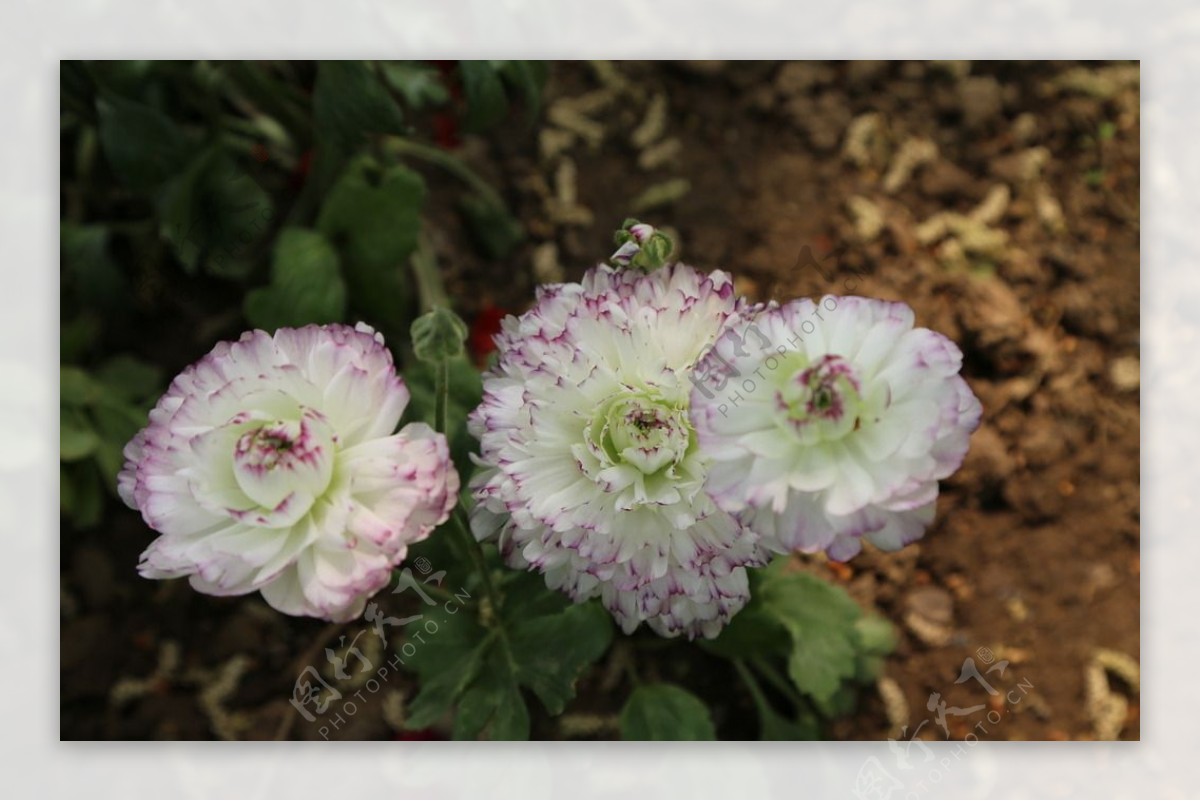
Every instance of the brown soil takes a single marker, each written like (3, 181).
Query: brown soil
(1035, 551)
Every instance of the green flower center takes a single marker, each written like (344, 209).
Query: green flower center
(821, 401)
(641, 430)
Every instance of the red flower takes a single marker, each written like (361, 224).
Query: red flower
(483, 328)
(445, 130)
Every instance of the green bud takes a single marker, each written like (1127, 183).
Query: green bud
(438, 335)
(641, 245)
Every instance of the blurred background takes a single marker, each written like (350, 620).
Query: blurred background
(999, 199)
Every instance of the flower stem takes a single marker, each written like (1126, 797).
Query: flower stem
(441, 396)
(462, 530)
(434, 591)
(452, 165)
(760, 700)
(779, 682)
(429, 281)
(475, 553)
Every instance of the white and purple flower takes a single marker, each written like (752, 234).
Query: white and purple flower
(592, 474)
(271, 465)
(831, 422)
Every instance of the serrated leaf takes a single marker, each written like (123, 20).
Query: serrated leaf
(665, 712)
(753, 632)
(306, 284)
(526, 596)
(481, 670)
(552, 651)
(841, 702)
(213, 213)
(446, 662)
(876, 634)
(820, 618)
(350, 102)
(372, 217)
(142, 145)
(493, 706)
(810, 622)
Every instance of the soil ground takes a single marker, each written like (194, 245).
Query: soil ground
(999, 200)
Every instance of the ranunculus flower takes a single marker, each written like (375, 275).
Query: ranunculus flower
(271, 465)
(832, 422)
(592, 475)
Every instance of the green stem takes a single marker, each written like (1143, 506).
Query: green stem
(433, 591)
(760, 700)
(441, 396)
(461, 529)
(779, 682)
(429, 280)
(452, 165)
(475, 553)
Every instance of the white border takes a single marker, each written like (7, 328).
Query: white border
(37, 34)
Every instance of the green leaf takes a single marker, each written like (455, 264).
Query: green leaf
(117, 420)
(350, 102)
(130, 378)
(774, 726)
(96, 277)
(110, 459)
(820, 618)
(753, 632)
(534, 642)
(446, 662)
(487, 102)
(552, 651)
(493, 707)
(86, 495)
(842, 702)
(876, 639)
(438, 335)
(527, 77)
(876, 634)
(665, 712)
(213, 213)
(420, 84)
(76, 387)
(811, 623)
(76, 438)
(526, 596)
(493, 230)
(372, 216)
(143, 146)
(66, 491)
(306, 284)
